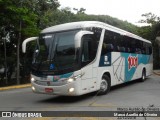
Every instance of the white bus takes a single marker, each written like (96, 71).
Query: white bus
(82, 57)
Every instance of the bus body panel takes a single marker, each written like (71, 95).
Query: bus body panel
(121, 66)
(124, 67)
(89, 84)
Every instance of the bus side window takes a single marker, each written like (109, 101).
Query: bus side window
(108, 42)
(88, 49)
(107, 48)
(150, 49)
(85, 53)
(128, 50)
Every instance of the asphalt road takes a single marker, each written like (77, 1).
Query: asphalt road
(133, 94)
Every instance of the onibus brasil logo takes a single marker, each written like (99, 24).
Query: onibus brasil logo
(132, 62)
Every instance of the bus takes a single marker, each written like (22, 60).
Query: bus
(77, 58)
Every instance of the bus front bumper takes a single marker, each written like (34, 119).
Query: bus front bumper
(69, 89)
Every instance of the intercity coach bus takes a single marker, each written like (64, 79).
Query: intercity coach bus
(82, 57)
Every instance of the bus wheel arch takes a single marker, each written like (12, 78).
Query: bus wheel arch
(143, 76)
(105, 84)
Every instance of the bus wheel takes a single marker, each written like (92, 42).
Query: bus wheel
(105, 85)
(143, 76)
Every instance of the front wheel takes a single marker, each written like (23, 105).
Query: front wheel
(105, 85)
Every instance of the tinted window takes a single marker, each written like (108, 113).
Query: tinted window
(112, 42)
(90, 45)
(122, 43)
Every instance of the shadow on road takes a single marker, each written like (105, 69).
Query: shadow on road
(68, 99)
(127, 84)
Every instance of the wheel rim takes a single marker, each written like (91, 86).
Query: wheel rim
(104, 85)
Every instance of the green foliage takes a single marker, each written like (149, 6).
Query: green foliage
(150, 18)
(80, 11)
(35, 15)
(150, 32)
(20, 17)
(65, 15)
(145, 32)
(109, 20)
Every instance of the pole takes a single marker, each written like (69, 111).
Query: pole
(158, 42)
(5, 59)
(18, 44)
(18, 59)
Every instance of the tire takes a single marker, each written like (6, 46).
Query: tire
(143, 78)
(105, 85)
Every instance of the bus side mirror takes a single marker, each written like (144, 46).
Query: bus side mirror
(25, 43)
(78, 37)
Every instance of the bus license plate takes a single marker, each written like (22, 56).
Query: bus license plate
(48, 90)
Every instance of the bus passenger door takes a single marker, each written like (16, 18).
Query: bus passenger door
(87, 56)
(87, 80)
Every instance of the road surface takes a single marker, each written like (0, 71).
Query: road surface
(133, 94)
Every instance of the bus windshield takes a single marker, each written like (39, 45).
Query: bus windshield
(56, 51)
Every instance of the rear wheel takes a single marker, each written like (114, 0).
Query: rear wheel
(105, 85)
(143, 76)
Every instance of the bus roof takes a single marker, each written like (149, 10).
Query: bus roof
(84, 24)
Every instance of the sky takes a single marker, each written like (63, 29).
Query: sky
(129, 10)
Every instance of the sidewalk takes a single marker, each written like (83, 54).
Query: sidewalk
(157, 72)
(15, 87)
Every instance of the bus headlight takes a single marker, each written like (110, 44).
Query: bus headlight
(33, 88)
(71, 90)
(70, 79)
(74, 78)
(32, 79)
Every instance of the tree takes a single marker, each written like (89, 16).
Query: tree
(79, 11)
(21, 19)
(42, 8)
(14, 17)
(150, 18)
(150, 32)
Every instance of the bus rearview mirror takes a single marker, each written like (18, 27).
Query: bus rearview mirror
(78, 37)
(25, 43)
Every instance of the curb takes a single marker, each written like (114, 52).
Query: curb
(15, 87)
(156, 73)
